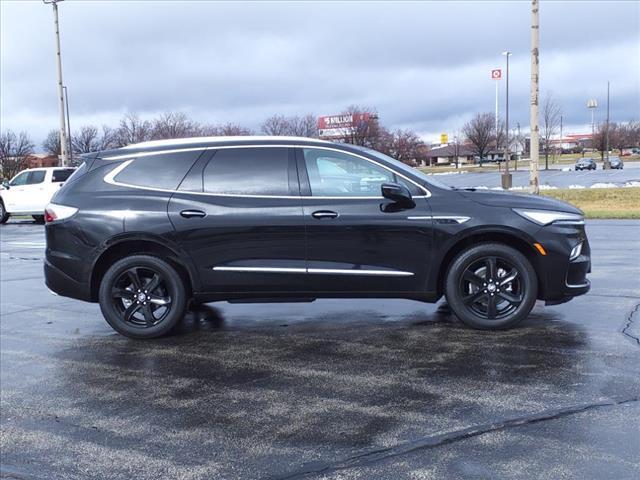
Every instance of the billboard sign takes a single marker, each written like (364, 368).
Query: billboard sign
(337, 126)
(444, 138)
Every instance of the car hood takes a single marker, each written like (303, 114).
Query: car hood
(519, 200)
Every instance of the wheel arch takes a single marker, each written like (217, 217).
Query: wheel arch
(146, 245)
(504, 236)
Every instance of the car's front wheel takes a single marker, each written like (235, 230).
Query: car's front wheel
(4, 216)
(491, 286)
(142, 296)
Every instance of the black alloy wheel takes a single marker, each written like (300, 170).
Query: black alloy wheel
(491, 286)
(4, 216)
(142, 296)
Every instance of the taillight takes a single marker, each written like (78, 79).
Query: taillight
(54, 212)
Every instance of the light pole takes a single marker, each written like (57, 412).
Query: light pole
(506, 176)
(592, 104)
(607, 164)
(63, 130)
(534, 141)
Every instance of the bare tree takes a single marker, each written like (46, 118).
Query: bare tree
(85, 140)
(277, 125)
(366, 131)
(551, 113)
(480, 133)
(108, 138)
(14, 150)
(51, 143)
(233, 129)
(406, 146)
(132, 130)
(174, 125)
(298, 126)
(304, 126)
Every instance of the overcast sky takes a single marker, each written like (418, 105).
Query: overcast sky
(423, 65)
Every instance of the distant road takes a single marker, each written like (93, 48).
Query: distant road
(553, 178)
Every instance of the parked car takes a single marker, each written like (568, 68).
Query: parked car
(147, 228)
(29, 192)
(585, 164)
(616, 162)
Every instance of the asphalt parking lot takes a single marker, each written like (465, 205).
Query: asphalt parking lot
(335, 389)
(554, 177)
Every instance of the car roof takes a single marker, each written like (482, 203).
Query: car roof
(208, 142)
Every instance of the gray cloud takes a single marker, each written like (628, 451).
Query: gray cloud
(424, 65)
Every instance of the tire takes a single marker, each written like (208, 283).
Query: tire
(4, 216)
(136, 308)
(468, 286)
(38, 218)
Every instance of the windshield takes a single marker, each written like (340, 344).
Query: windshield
(402, 167)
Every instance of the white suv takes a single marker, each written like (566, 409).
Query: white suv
(29, 192)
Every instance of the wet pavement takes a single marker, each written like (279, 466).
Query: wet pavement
(554, 177)
(335, 389)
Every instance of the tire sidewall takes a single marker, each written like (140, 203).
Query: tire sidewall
(465, 259)
(173, 282)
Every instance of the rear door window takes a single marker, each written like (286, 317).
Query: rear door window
(264, 171)
(62, 174)
(163, 171)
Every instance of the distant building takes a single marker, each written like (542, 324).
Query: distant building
(40, 160)
(447, 155)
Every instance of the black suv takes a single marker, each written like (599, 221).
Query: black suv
(147, 228)
(585, 164)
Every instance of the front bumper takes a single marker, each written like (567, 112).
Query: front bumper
(561, 279)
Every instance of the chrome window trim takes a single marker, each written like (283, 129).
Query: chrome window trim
(110, 177)
(329, 271)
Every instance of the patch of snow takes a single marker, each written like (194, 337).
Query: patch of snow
(548, 187)
(632, 183)
(447, 173)
(482, 187)
(604, 185)
(567, 169)
(576, 187)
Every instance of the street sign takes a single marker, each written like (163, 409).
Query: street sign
(496, 74)
(444, 138)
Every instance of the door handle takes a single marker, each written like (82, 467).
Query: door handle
(320, 214)
(192, 213)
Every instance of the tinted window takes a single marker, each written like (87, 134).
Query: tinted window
(62, 174)
(248, 171)
(21, 179)
(337, 174)
(164, 171)
(36, 176)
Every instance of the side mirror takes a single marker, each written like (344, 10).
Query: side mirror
(5, 184)
(398, 193)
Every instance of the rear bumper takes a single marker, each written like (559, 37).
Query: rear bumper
(62, 284)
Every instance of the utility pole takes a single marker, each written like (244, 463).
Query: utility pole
(534, 149)
(607, 164)
(63, 130)
(561, 136)
(506, 176)
(518, 145)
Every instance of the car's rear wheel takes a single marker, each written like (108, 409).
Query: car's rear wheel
(491, 286)
(142, 296)
(4, 216)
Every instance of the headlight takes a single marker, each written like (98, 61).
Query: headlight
(545, 217)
